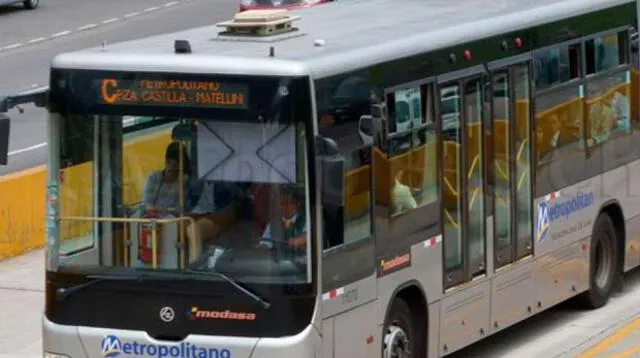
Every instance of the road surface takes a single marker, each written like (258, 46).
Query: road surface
(30, 39)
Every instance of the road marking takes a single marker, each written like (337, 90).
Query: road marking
(87, 27)
(39, 39)
(44, 144)
(61, 33)
(611, 339)
(113, 19)
(33, 147)
(91, 26)
(625, 353)
(10, 47)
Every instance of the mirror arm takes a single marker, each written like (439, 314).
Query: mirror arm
(37, 96)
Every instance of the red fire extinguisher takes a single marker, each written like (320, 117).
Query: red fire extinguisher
(145, 239)
(145, 234)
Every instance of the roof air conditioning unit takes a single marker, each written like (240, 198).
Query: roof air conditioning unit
(260, 23)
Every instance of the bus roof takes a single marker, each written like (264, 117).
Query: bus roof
(356, 34)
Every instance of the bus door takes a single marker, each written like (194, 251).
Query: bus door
(510, 157)
(463, 175)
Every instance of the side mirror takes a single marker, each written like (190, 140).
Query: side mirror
(331, 164)
(332, 169)
(326, 147)
(332, 177)
(4, 138)
(332, 196)
(365, 129)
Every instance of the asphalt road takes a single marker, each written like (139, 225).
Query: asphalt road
(30, 39)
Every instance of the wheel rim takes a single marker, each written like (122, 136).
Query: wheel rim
(396, 343)
(603, 260)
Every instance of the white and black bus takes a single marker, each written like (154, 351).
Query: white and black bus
(388, 178)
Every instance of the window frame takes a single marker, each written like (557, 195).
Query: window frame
(552, 87)
(458, 276)
(435, 125)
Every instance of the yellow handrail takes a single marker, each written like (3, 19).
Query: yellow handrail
(154, 237)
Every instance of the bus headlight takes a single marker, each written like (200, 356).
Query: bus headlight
(53, 355)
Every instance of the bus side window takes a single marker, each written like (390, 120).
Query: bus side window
(608, 97)
(560, 122)
(411, 161)
(347, 206)
(559, 118)
(346, 179)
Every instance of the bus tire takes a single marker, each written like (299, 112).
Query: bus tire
(603, 263)
(398, 334)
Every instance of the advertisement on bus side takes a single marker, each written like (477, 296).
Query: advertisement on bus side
(561, 209)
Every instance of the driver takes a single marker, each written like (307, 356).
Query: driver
(294, 223)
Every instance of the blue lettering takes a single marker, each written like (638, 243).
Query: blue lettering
(183, 350)
(564, 209)
(126, 348)
(163, 351)
(137, 350)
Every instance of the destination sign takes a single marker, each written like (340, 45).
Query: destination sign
(150, 92)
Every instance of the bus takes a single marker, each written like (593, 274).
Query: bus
(254, 188)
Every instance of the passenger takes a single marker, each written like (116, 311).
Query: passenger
(205, 227)
(621, 110)
(294, 223)
(601, 118)
(401, 196)
(162, 188)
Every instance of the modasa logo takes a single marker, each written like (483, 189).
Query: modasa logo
(195, 313)
(550, 212)
(113, 347)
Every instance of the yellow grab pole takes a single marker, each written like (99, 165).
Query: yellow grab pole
(154, 244)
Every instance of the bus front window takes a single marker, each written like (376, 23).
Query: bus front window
(185, 195)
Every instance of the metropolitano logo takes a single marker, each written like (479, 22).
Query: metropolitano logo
(113, 347)
(543, 223)
(548, 212)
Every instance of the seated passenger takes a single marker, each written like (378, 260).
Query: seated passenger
(401, 196)
(294, 223)
(204, 227)
(162, 190)
(621, 110)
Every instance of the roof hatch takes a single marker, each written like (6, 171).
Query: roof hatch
(259, 23)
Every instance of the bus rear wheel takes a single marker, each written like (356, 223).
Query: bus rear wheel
(398, 333)
(603, 263)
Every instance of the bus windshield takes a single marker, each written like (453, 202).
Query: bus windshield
(211, 194)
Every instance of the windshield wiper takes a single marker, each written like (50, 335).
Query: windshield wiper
(63, 292)
(234, 283)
